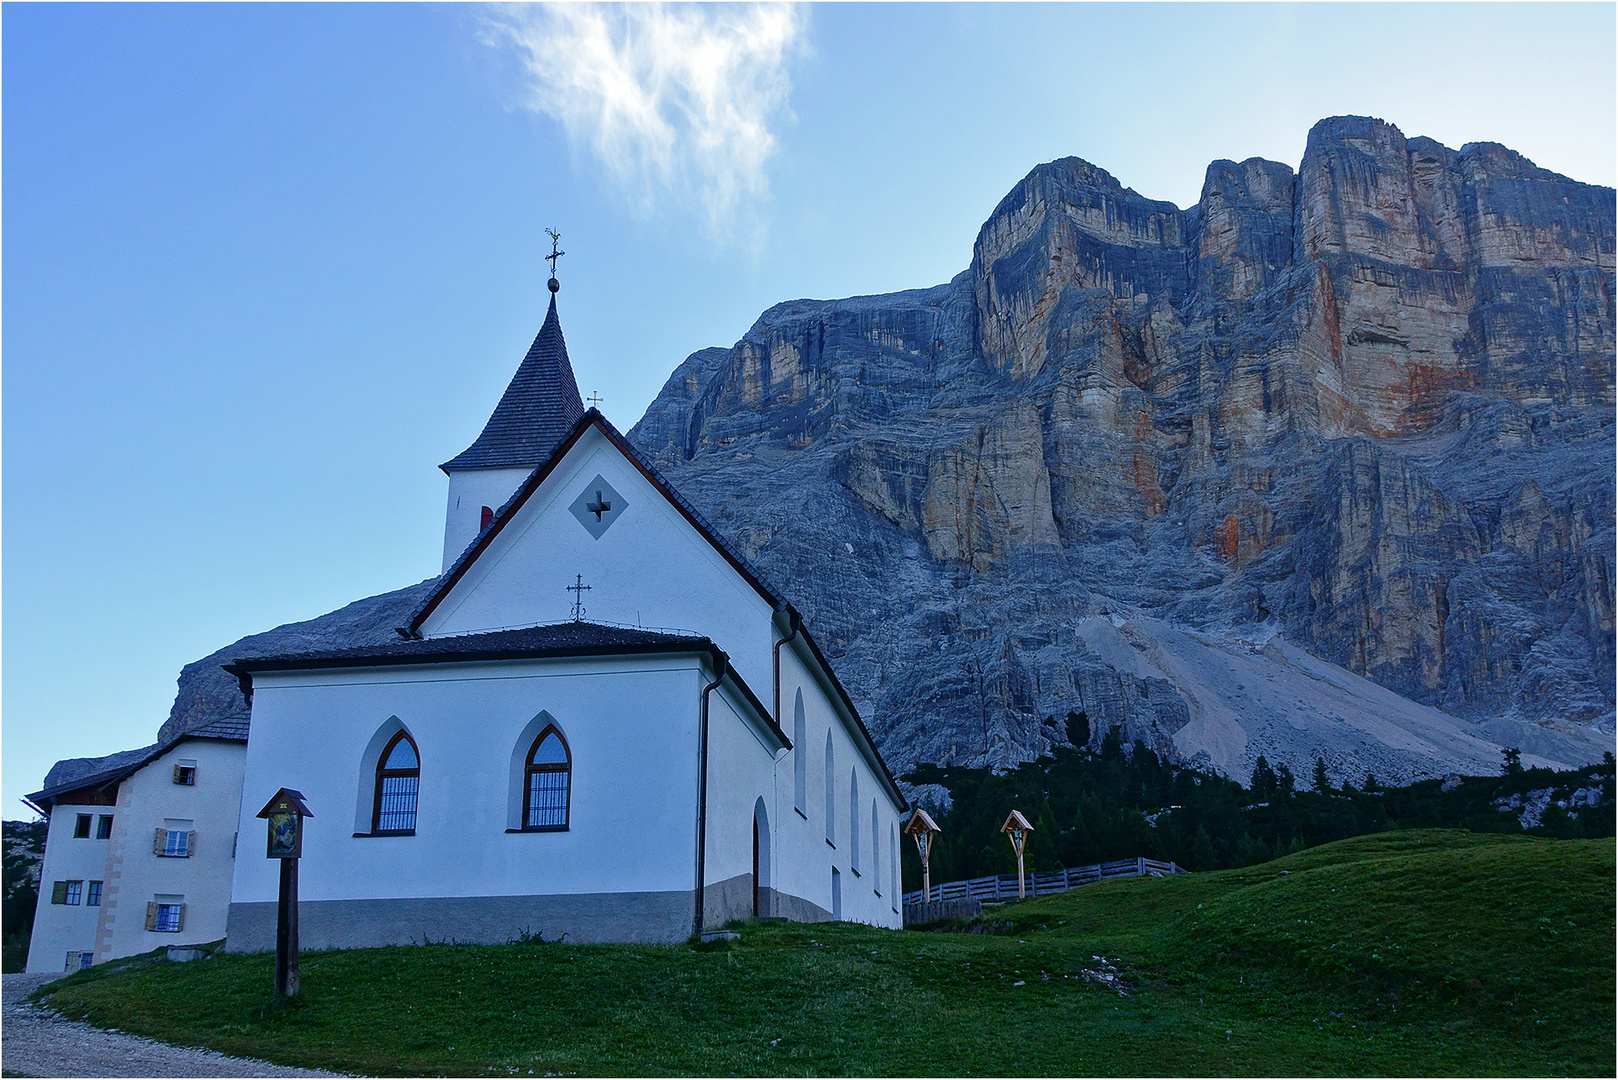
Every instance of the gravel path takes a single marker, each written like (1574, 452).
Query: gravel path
(37, 1042)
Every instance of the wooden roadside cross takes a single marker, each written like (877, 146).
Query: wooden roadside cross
(285, 813)
(1017, 829)
(924, 828)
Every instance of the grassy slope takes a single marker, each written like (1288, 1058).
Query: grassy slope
(1402, 953)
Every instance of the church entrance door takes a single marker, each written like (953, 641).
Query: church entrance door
(756, 911)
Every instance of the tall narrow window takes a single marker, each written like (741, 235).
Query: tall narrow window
(104, 827)
(398, 781)
(876, 852)
(831, 794)
(547, 787)
(800, 755)
(854, 820)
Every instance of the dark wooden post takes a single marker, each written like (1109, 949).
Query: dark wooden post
(286, 932)
(285, 813)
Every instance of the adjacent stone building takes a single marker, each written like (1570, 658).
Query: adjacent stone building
(139, 849)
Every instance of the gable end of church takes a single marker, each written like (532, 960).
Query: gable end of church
(503, 516)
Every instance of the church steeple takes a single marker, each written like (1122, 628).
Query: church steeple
(536, 412)
(539, 407)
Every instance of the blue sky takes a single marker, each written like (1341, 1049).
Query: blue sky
(265, 267)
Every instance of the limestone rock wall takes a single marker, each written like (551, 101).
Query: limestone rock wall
(1365, 408)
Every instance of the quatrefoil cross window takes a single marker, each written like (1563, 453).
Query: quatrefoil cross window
(597, 506)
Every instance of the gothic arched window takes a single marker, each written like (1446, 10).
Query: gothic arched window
(546, 785)
(831, 794)
(800, 759)
(398, 781)
(854, 820)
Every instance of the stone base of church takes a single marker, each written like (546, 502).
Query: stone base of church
(733, 899)
(796, 908)
(651, 917)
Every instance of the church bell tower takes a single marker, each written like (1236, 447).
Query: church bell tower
(538, 409)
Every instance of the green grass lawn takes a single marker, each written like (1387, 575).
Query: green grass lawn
(1420, 952)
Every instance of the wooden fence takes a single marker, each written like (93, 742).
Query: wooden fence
(1004, 886)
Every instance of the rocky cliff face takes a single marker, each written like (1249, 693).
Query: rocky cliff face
(1349, 428)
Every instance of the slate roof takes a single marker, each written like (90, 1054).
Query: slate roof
(555, 639)
(76, 774)
(567, 639)
(538, 409)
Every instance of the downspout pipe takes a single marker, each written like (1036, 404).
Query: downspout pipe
(796, 621)
(720, 665)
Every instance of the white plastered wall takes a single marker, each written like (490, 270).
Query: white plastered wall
(470, 490)
(806, 868)
(63, 928)
(741, 770)
(136, 875)
(630, 725)
(650, 568)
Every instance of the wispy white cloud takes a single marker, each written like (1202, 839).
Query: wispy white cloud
(676, 102)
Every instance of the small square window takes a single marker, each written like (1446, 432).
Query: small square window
(74, 890)
(92, 898)
(81, 827)
(104, 827)
(168, 918)
(185, 774)
(175, 843)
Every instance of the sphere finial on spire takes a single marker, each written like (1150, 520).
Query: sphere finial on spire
(556, 253)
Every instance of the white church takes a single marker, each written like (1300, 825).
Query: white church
(600, 724)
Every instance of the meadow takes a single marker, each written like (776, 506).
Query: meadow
(1416, 952)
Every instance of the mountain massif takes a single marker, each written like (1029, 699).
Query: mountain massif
(1322, 466)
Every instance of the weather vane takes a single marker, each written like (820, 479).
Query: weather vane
(556, 253)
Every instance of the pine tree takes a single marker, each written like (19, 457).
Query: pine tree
(1322, 782)
(1263, 782)
(1284, 780)
(1078, 729)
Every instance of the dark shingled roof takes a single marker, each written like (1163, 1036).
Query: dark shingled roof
(556, 639)
(539, 407)
(76, 774)
(529, 643)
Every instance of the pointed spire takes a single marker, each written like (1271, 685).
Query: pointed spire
(539, 407)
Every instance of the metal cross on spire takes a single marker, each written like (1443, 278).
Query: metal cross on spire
(595, 398)
(578, 589)
(556, 252)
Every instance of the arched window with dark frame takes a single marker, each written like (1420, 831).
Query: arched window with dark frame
(398, 781)
(547, 783)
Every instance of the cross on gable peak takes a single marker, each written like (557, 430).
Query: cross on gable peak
(578, 589)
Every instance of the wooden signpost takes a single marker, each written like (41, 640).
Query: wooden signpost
(924, 828)
(285, 813)
(1017, 829)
